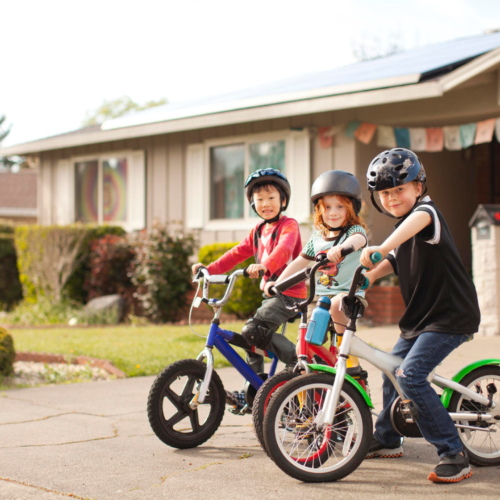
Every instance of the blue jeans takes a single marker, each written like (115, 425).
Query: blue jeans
(421, 355)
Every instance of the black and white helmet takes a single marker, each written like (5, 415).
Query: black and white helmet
(337, 182)
(270, 175)
(394, 167)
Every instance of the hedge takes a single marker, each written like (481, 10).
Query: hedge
(247, 296)
(74, 289)
(7, 353)
(11, 290)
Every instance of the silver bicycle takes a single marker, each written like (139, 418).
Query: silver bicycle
(318, 427)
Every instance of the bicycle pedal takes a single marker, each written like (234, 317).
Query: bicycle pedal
(409, 411)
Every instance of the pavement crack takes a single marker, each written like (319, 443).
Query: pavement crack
(115, 435)
(206, 466)
(39, 419)
(48, 490)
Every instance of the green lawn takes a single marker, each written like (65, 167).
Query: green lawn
(134, 350)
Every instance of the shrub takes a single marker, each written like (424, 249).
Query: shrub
(110, 262)
(7, 353)
(30, 243)
(247, 296)
(162, 272)
(10, 286)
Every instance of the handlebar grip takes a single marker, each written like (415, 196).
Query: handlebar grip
(272, 291)
(346, 251)
(199, 272)
(245, 273)
(376, 257)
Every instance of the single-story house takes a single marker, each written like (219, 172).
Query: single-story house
(186, 163)
(18, 196)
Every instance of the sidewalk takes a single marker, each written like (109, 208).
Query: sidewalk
(93, 441)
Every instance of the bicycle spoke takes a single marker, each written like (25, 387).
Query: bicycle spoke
(175, 419)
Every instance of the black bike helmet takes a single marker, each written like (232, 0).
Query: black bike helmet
(337, 182)
(392, 168)
(265, 176)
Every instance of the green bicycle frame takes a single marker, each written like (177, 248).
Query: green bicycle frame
(447, 393)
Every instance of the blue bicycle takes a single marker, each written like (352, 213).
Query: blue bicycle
(187, 399)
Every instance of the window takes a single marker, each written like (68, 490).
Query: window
(105, 189)
(230, 165)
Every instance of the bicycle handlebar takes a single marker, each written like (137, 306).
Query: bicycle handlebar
(220, 279)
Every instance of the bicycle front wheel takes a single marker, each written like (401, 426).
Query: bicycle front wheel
(480, 439)
(169, 413)
(310, 453)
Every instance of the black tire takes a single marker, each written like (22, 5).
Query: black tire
(286, 416)
(191, 431)
(483, 450)
(262, 399)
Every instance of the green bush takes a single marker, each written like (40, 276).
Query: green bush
(247, 296)
(7, 353)
(74, 289)
(10, 287)
(161, 272)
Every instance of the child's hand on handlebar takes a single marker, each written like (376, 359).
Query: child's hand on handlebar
(334, 255)
(268, 285)
(253, 270)
(367, 253)
(195, 267)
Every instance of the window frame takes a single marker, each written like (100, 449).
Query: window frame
(246, 222)
(101, 158)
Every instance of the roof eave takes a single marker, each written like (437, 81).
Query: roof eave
(307, 106)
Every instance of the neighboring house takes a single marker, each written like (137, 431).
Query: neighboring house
(186, 163)
(18, 196)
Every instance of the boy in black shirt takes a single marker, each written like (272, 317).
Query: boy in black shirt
(441, 313)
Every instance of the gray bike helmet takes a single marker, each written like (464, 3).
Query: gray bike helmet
(393, 168)
(337, 182)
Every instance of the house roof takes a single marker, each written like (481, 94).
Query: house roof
(422, 73)
(18, 194)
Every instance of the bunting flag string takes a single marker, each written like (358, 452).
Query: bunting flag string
(428, 139)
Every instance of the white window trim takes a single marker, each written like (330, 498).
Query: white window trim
(245, 223)
(100, 158)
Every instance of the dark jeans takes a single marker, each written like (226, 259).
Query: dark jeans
(421, 355)
(274, 314)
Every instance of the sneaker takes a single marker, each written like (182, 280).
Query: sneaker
(236, 399)
(379, 450)
(451, 469)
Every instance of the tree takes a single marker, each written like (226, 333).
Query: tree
(115, 108)
(7, 163)
(375, 48)
(3, 132)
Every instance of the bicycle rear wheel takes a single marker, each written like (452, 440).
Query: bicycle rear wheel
(483, 442)
(310, 453)
(169, 414)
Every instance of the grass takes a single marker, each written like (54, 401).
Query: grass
(137, 351)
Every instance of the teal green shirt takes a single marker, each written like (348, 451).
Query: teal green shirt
(336, 278)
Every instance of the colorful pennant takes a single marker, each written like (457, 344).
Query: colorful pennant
(429, 139)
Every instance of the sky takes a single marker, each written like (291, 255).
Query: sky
(59, 59)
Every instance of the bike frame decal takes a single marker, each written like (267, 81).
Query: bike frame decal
(448, 392)
(354, 382)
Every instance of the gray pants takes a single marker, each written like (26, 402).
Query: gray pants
(275, 314)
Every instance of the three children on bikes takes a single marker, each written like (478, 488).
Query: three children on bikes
(441, 302)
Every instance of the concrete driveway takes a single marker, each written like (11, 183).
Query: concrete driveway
(93, 441)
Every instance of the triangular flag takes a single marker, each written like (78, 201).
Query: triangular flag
(418, 139)
(386, 137)
(484, 131)
(434, 139)
(468, 134)
(365, 132)
(452, 140)
(402, 137)
(325, 139)
(351, 128)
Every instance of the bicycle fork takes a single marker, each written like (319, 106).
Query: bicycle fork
(327, 414)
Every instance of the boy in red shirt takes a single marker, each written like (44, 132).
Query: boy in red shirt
(274, 243)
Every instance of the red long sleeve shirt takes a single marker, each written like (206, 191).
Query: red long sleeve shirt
(275, 248)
